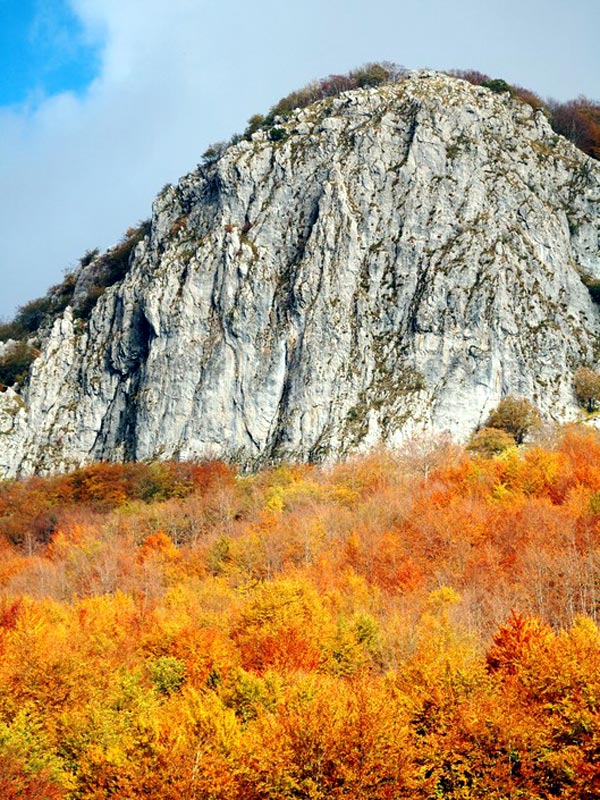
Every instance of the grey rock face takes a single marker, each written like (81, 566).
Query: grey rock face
(397, 262)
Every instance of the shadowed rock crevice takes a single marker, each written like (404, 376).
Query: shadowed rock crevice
(394, 261)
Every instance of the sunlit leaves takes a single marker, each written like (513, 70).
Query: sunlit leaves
(307, 632)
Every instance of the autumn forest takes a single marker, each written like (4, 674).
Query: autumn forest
(417, 624)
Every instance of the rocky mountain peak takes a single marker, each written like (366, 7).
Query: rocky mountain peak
(389, 261)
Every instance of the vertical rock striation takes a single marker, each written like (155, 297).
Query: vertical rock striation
(397, 260)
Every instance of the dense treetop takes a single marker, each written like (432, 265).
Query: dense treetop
(404, 625)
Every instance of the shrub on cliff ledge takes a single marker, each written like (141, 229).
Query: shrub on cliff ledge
(14, 365)
(32, 316)
(110, 268)
(587, 388)
(369, 75)
(515, 415)
(497, 85)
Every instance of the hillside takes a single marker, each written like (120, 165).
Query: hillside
(389, 260)
(412, 625)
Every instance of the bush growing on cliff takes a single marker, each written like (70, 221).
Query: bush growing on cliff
(30, 317)
(110, 268)
(115, 262)
(369, 75)
(497, 85)
(577, 120)
(277, 134)
(106, 270)
(14, 365)
(587, 388)
(213, 152)
(515, 415)
(490, 442)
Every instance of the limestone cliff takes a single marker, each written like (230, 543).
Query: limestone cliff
(389, 261)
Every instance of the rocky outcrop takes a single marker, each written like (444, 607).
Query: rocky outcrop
(390, 261)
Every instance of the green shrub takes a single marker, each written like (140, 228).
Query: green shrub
(498, 85)
(373, 74)
(62, 293)
(28, 319)
(255, 123)
(111, 268)
(9, 330)
(115, 262)
(167, 674)
(88, 257)
(14, 365)
(106, 270)
(31, 316)
(276, 134)
(213, 153)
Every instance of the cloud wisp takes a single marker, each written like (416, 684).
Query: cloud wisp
(77, 168)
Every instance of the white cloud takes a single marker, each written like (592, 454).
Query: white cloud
(76, 171)
(176, 75)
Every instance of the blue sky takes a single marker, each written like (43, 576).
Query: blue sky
(43, 50)
(103, 101)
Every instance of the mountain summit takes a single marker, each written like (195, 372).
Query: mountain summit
(393, 260)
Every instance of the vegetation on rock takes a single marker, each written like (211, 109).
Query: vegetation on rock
(33, 315)
(490, 441)
(15, 363)
(516, 416)
(587, 388)
(578, 120)
(104, 271)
